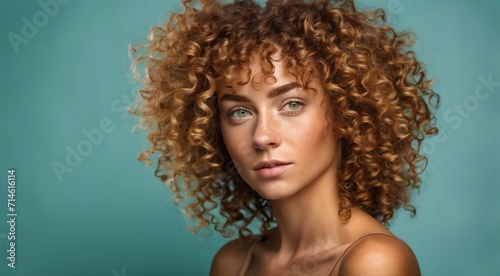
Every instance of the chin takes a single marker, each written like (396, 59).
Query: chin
(275, 194)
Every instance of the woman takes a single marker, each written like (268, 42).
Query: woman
(303, 116)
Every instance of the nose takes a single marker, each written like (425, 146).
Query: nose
(266, 135)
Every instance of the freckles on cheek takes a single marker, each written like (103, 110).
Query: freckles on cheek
(234, 141)
(240, 148)
(313, 131)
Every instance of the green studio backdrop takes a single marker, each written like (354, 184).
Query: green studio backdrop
(66, 83)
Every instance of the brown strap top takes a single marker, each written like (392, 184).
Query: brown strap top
(248, 257)
(353, 243)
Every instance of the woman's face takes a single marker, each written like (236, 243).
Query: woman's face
(277, 133)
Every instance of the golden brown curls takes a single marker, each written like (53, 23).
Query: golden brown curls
(377, 94)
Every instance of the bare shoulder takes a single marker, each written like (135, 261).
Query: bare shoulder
(230, 257)
(379, 255)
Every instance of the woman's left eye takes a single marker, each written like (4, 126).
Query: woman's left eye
(293, 105)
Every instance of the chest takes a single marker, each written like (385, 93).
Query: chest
(323, 263)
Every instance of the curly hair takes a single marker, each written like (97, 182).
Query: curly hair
(378, 98)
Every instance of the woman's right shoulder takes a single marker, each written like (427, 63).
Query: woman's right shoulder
(230, 257)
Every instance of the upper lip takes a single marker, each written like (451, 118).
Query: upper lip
(269, 163)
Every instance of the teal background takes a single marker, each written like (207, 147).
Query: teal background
(111, 216)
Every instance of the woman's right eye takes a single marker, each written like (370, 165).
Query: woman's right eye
(239, 113)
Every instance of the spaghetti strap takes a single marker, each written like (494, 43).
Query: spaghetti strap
(248, 257)
(353, 243)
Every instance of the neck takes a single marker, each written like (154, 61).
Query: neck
(308, 221)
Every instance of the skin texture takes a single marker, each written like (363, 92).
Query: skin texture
(292, 127)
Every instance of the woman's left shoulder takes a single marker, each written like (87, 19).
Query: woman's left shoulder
(379, 254)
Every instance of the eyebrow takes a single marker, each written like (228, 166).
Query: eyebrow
(271, 94)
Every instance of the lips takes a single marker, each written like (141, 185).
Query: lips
(271, 168)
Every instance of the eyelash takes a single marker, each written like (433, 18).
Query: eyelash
(293, 100)
(287, 102)
(234, 109)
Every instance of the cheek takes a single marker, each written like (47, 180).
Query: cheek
(235, 141)
(312, 132)
(227, 138)
(315, 142)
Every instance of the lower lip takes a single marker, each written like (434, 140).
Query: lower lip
(272, 172)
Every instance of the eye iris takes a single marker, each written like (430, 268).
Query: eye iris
(240, 113)
(294, 105)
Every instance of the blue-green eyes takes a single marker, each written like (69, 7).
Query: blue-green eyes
(289, 107)
(239, 113)
(294, 105)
